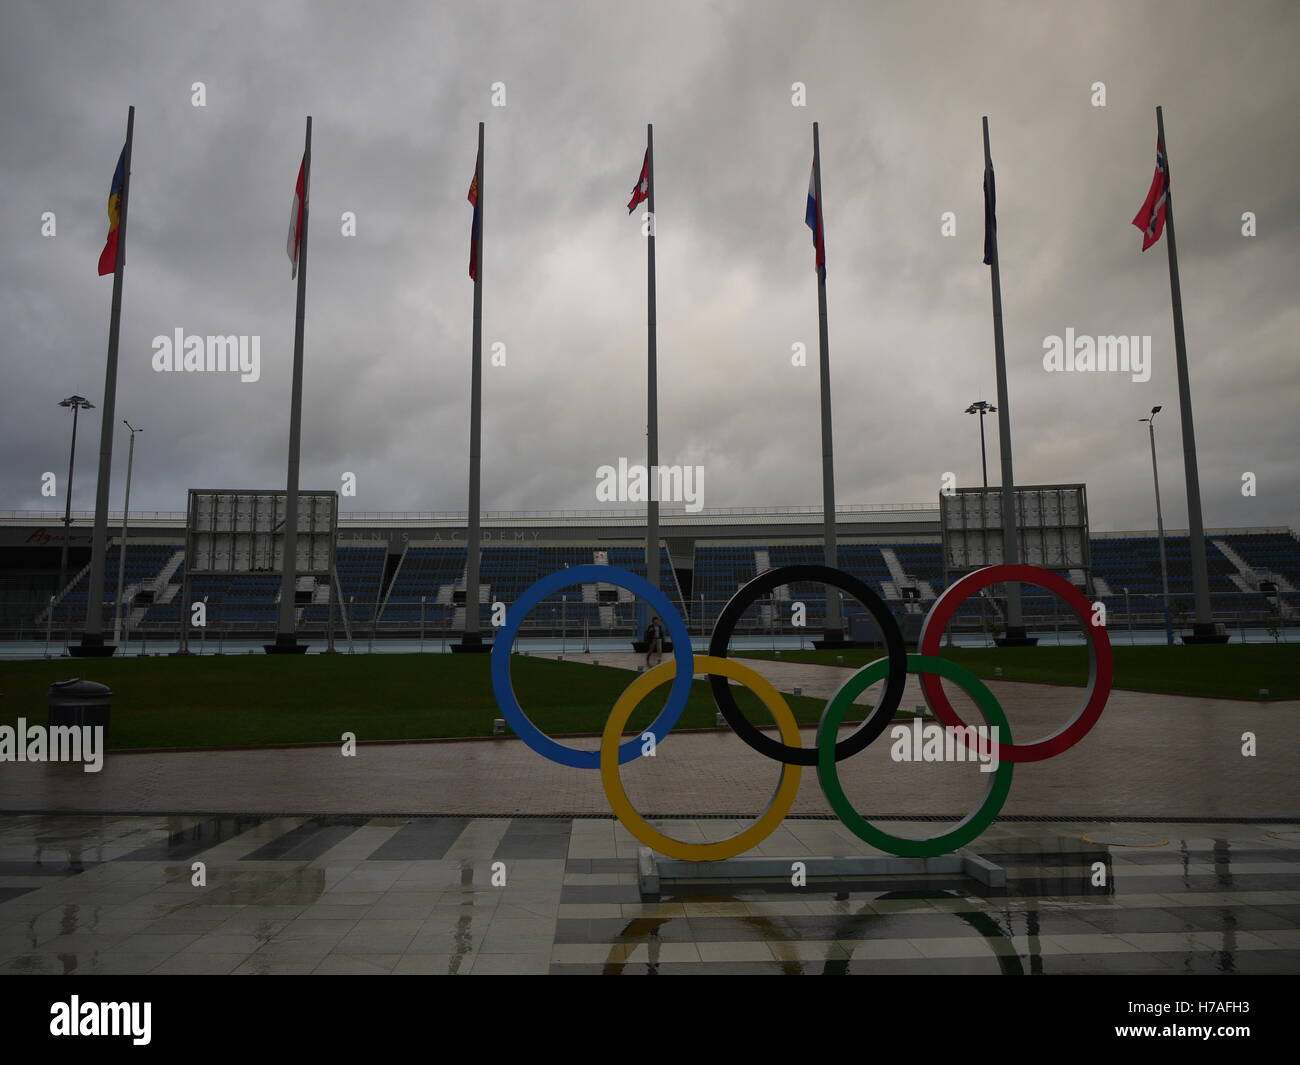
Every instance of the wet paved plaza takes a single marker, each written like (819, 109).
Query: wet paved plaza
(476, 896)
(482, 857)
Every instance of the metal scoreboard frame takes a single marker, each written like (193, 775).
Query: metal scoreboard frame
(228, 531)
(1051, 521)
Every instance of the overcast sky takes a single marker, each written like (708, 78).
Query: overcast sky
(397, 90)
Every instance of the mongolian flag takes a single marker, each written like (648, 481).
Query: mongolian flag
(473, 233)
(108, 257)
(641, 190)
(1151, 217)
(296, 216)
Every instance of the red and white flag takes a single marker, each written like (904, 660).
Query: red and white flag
(297, 216)
(642, 189)
(1151, 217)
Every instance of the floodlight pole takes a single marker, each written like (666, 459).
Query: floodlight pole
(982, 408)
(77, 403)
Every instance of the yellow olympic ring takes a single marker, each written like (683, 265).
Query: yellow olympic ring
(786, 789)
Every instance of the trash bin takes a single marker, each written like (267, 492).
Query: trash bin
(80, 702)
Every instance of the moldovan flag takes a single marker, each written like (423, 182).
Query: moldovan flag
(296, 215)
(813, 218)
(1151, 217)
(473, 231)
(108, 257)
(641, 190)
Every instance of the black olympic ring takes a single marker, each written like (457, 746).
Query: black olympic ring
(875, 723)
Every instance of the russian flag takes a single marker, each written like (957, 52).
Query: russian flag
(296, 217)
(108, 257)
(813, 217)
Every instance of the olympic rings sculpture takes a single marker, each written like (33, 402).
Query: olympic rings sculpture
(788, 751)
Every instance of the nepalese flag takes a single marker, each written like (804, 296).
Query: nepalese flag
(108, 257)
(1151, 217)
(641, 191)
(814, 221)
(297, 215)
(473, 233)
(990, 215)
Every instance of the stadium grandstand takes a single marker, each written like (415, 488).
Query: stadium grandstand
(399, 574)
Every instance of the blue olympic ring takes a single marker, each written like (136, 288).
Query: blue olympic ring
(504, 644)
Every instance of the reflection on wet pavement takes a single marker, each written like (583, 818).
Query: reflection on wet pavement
(478, 896)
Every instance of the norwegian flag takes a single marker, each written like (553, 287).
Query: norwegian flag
(297, 216)
(642, 189)
(1151, 217)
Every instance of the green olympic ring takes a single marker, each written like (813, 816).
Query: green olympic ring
(977, 821)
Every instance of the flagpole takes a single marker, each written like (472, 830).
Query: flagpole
(1016, 635)
(1203, 628)
(652, 387)
(121, 550)
(286, 636)
(833, 627)
(92, 635)
(471, 639)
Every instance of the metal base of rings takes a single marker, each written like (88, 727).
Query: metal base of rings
(654, 871)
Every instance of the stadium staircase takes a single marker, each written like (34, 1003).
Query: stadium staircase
(893, 588)
(397, 573)
(161, 586)
(591, 593)
(766, 609)
(58, 600)
(1248, 577)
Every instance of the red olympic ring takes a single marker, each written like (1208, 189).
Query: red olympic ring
(1100, 661)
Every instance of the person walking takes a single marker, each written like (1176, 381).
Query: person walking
(654, 641)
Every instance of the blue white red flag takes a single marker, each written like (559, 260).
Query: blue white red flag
(1151, 216)
(813, 218)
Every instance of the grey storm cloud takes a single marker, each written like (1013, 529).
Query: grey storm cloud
(396, 91)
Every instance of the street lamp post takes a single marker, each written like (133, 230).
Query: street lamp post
(121, 549)
(78, 404)
(982, 408)
(1160, 528)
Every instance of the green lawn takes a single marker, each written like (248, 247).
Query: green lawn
(1233, 671)
(256, 699)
